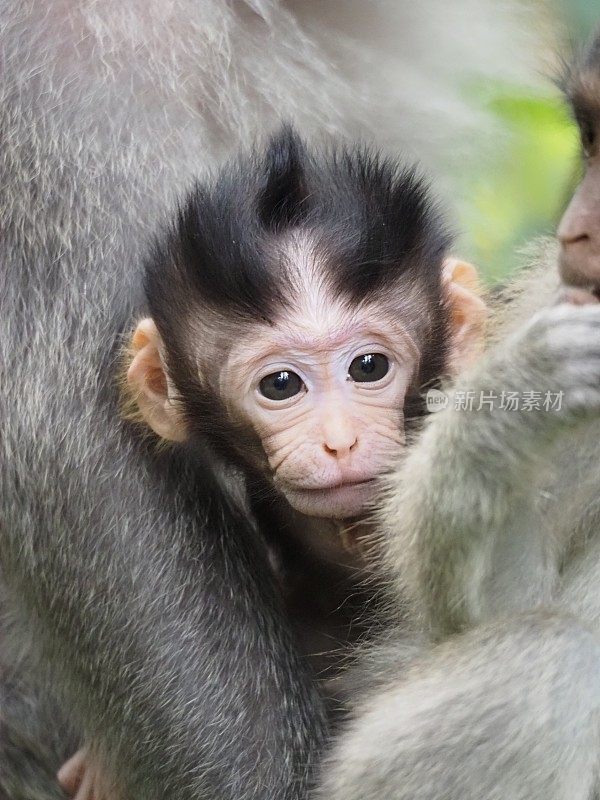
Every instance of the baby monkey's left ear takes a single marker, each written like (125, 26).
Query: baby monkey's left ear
(468, 313)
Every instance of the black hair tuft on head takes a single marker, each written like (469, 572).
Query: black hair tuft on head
(282, 198)
(370, 224)
(384, 225)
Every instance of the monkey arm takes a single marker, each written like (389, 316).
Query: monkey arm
(506, 710)
(450, 521)
(151, 620)
(470, 537)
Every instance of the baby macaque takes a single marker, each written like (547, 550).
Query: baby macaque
(297, 304)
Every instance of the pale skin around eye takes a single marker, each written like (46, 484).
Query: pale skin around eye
(150, 385)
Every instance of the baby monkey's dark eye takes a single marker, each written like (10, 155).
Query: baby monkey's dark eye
(370, 367)
(281, 385)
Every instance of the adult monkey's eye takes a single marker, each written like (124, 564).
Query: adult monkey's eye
(281, 385)
(370, 367)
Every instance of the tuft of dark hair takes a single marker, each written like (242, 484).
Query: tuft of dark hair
(371, 220)
(282, 197)
(379, 223)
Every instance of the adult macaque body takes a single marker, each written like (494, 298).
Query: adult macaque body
(298, 304)
(497, 535)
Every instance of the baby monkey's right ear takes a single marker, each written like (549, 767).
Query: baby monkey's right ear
(149, 384)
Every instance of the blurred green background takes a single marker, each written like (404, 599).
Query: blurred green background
(530, 181)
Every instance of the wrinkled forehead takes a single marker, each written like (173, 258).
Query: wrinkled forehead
(315, 310)
(317, 319)
(313, 317)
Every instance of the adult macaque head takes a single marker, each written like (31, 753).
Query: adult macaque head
(579, 230)
(296, 303)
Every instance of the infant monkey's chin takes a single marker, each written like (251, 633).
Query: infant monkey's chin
(341, 502)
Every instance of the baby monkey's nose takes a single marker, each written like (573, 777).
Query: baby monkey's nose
(339, 436)
(340, 449)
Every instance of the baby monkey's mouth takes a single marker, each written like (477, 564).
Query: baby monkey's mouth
(329, 487)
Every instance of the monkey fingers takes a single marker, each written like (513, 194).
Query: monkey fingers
(576, 297)
(70, 775)
(82, 779)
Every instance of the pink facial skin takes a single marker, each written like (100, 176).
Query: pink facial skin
(579, 229)
(327, 443)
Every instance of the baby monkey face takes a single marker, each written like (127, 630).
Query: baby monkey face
(324, 390)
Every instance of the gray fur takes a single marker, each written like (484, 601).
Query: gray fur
(34, 738)
(508, 711)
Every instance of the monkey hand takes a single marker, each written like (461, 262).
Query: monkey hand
(541, 381)
(556, 355)
(82, 779)
(471, 483)
(576, 296)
